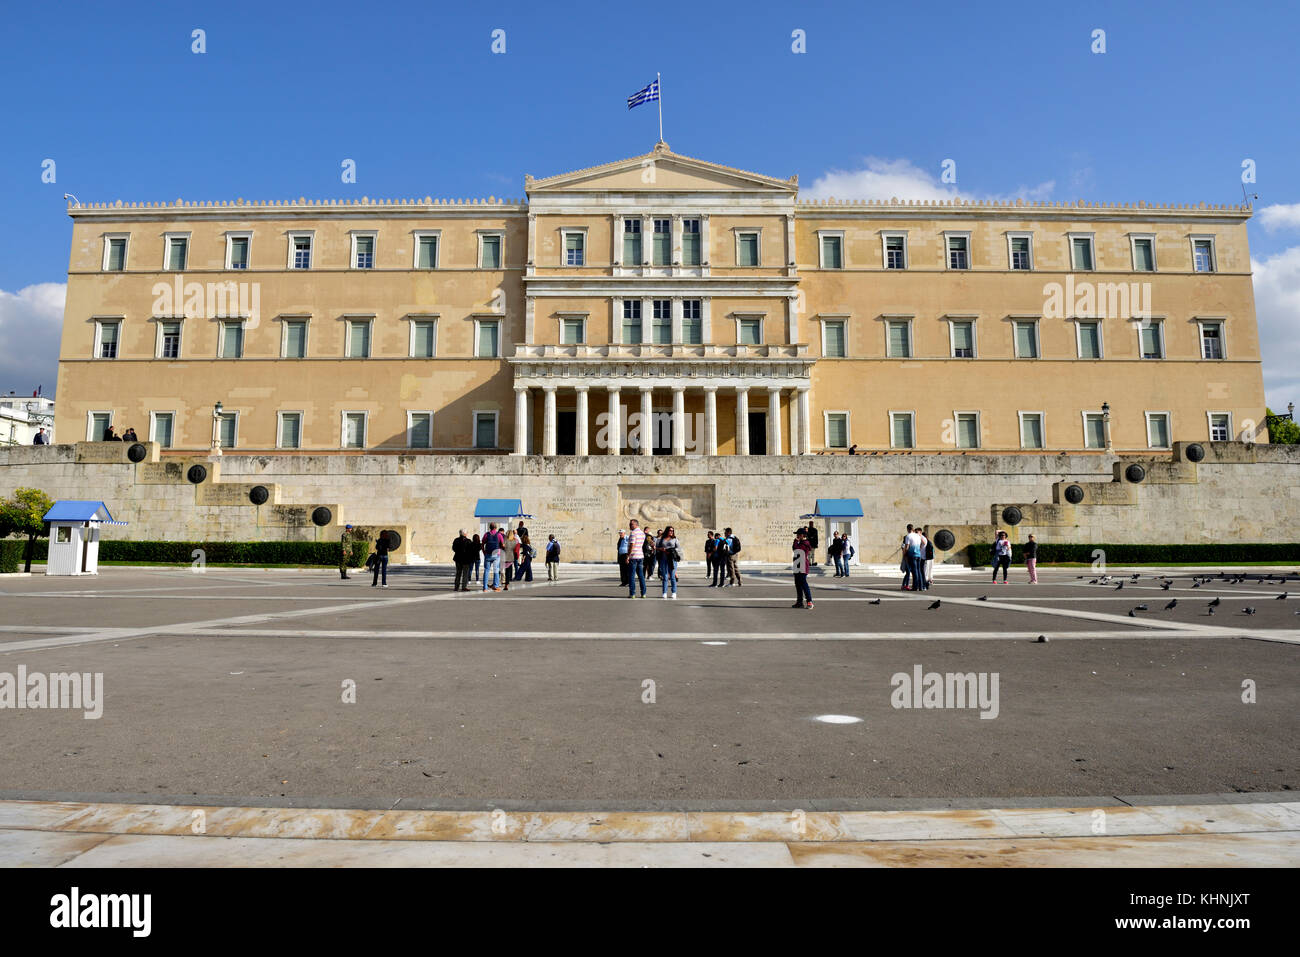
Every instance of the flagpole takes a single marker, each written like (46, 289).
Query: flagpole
(660, 100)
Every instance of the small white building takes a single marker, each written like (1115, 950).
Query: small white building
(74, 537)
(21, 417)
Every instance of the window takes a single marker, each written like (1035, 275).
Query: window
(958, 251)
(232, 340)
(489, 338)
(898, 339)
(295, 339)
(661, 242)
(354, 430)
(834, 345)
(490, 251)
(160, 430)
(631, 242)
(573, 331)
(692, 322)
(1203, 254)
(832, 251)
(358, 339)
(691, 242)
(289, 431)
(237, 252)
(750, 332)
(574, 248)
(1020, 251)
(1152, 340)
(419, 430)
(837, 430)
(1031, 430)
(963, 338)
(97, 424)
(631, 321)
(485, 430)
(1081, 253)
(968, 430)
(170, 345)
(115, 253)
(1158, 430)
(177, 253)
(1220, 427)
(1094, 430)
(228, 429)
(895, 250)
(363, 251)
(1089, 336)
(902, 434)
(1026, 334)
(300, 250)
(1211, 340)
(426, 250)
(661, 325)
(746, 249)
(423, 338)
(107, 335)
(1144, 253)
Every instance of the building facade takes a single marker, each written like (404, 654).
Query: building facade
(660, 304)
(21, 417)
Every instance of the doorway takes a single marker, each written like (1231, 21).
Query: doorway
(566, 432)
(758, 433)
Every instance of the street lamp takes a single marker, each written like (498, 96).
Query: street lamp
(216, 428)
(1105, 421)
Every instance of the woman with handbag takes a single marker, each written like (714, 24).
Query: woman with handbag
(669, 552)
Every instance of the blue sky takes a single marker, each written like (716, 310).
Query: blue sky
(413, 93)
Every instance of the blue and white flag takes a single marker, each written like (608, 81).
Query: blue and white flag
(648, 95)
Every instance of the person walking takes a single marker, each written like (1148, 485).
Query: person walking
(928, 555)
(510, 559)
(552, 559)
(801, 556)
(381, 559)
(1030, 549)
(1001, 556)
(493, 545)
(905, 566)
(478, 555)
(635, 558)
(624, 553)
(526, 555)
(669, 553)
(462, 553)
(733, 563)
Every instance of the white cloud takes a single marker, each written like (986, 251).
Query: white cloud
(1280, 216)
(1277, 307)
(880, 178)
(31, 321)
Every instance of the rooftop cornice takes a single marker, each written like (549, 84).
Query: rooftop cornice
(960, 207)
(299, 206)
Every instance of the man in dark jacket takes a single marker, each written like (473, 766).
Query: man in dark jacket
(462, 553)
(381, 559)
(812, 542)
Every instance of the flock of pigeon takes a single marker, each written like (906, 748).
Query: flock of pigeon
(1197, 581)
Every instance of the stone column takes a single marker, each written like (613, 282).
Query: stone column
(710, 420)
(773, 421)
(647, 422)
(521, 421)
(615, 427)
(548, 426)
(580, 444)
(805, 424)
(742, 420)
(794, 427)
(679, 420)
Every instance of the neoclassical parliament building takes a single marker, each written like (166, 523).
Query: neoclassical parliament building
(659, 305)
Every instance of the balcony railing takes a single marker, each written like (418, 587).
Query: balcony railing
(657, 351)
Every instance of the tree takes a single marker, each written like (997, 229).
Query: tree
(21, 514)
(1281, 431)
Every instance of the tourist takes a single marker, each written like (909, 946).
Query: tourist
(526, 555)
(478, 555)
(381, 559)
(920, 561)
(669, 553)
(463, 553)
(522, 530)
(905, 566)
(719, 561)
(833, 552)
(799, 561)
(710, 544)
(623, 556)
(649, 552)
(552, 559)
(914, 548)
(493, 544)
(1001, 556)
(928, 569)
(813, 537)
(635, 558)
(847, 551)
(733, 564)
(510, 559)
(1030, 548)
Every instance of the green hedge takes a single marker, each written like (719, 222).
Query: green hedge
(981, 553)
(217, 553)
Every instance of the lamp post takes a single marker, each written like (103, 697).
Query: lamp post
(216, 429)
(1105, 422)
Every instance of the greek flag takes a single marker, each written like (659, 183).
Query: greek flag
(648, 95)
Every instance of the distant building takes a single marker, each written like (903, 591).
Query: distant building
(21, 417)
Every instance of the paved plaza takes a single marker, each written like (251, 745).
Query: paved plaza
(295, 689)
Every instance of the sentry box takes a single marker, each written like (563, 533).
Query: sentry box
(74, 537)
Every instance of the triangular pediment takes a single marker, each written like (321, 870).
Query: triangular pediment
(660, 169)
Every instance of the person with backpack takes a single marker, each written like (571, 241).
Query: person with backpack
(494, 544)
(669, 553)
(526, 555)
(623, 555)
(635, 558)
(800, 559)
(552, 559)
(381, 559)
(1001, 556)
(733, 565)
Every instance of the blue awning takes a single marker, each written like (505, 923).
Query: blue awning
(500, 508)
(836, 508)
(74, 510)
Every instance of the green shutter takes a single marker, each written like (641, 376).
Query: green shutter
(902, 431)
(1143, 260)
(1095, 432)
(1089, 340)
(176, 249)
(1151, 341)
(232, 346)
(117, 254)
(428, 252)
(1026, 341)
(358, 340)
(831, 253)
(693, 331)
(226, 431)
(487, 340)
(1158, 431)
(290, 429)
(835, 348)
(1082, 253)
(691, 249)
(491, 252)
(837, 431)
(899, 342)
(963, 338)
(295, 340)
(1031, 432)
(748, 251)
(423, 340)
(483, 437)
(421, 430)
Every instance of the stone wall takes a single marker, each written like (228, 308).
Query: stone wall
(1236, 492)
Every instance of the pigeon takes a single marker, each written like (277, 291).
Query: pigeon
(982, 598)
(1119, 586)
(1249, 610)
(874, 601)
(1042, 639)
(934, 605)
(1215, 603)
(1093, 582)
(1281, 597)
(1166, 585)
(1210, 610)
(1173, 602)
(1142, 607)
(1197, 585)
(1132, 613)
